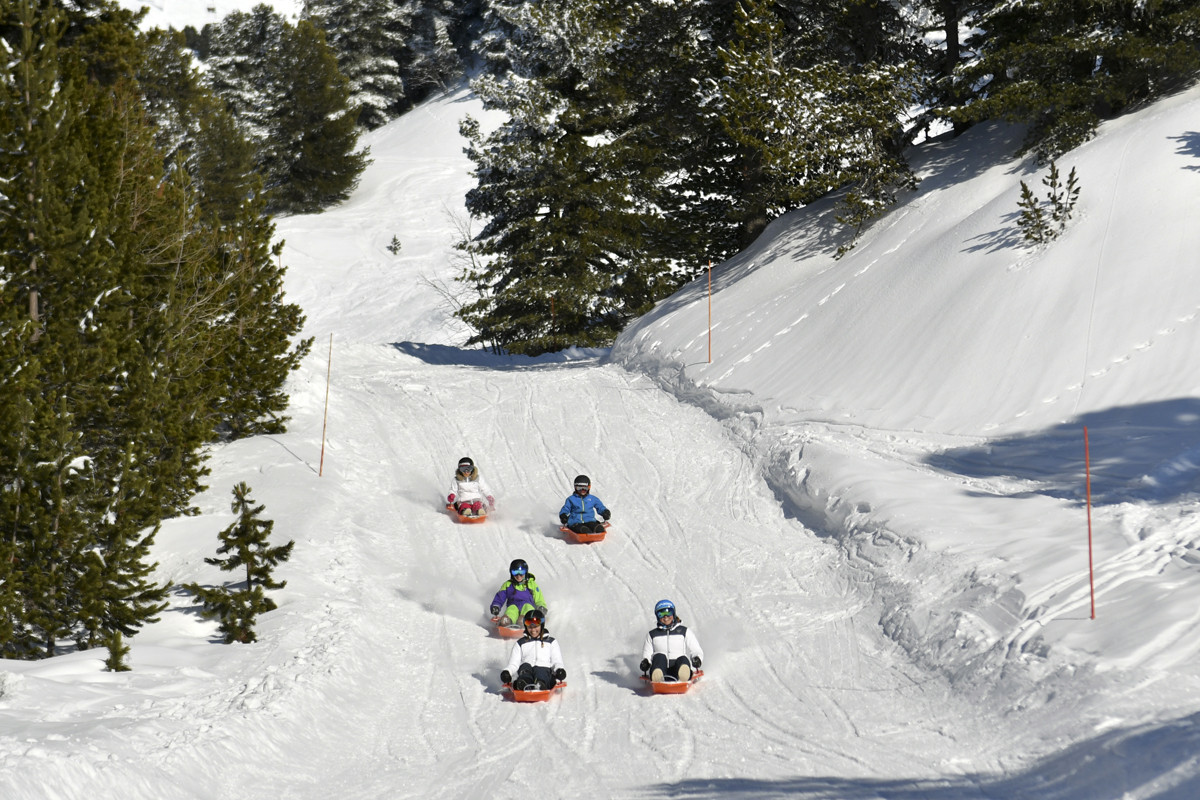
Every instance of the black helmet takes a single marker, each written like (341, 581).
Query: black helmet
(583, 480)
(518, 566)
(466, 469)
(465, 462)
(532, 616)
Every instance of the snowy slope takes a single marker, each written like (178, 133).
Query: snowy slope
(869, 506)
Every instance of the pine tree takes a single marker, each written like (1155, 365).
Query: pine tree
(282, 85)
(366, 36)
(312, 161)
(248, 543)
(242, 50)
(194, 128)
(120, 299)
(245, 544)
(566, 255)
(258, 353)
(1061, 66)
(430, 58)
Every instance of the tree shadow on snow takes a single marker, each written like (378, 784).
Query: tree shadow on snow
(1006, 237)
(446, 355)
(1149, 452)
(1119, 763)
(1189, 145)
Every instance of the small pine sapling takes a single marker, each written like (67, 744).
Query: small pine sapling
(117, 651)
(1042, 221)
(394, 246)
(247, 543)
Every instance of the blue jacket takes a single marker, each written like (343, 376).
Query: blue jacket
(581, 509)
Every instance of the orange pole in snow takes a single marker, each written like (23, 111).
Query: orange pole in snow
(710, 311)
(328, 370)
(1087, 466)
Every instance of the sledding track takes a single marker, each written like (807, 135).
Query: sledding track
(798, 682)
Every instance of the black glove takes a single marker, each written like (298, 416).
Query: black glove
(696, 662)
(560, 673)
(506, 677)
(544, 610)
(645, 665)
(606, 514)
(562, 518)
(495, 611)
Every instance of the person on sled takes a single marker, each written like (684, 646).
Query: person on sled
(536, 660)
(468, 490)
(579, 512)
(671, 650)
(518, 595)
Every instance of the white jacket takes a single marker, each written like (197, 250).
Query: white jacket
(672, 642)
(469, 490)
(541, 652)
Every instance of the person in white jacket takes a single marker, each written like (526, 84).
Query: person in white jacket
(536, 660)
(671, 650)
(468, 490)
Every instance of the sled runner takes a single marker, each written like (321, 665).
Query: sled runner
(673, 686)
(585, 538)
(533, 695)
(463, 519)
(505, 630)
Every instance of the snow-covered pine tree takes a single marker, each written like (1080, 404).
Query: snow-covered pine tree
(804, 123)
(564, 247)
(430, 60)
(241, 49)
(282, 84)
(313, 160)
(366, 36)
(1061, 66)
(194, 126)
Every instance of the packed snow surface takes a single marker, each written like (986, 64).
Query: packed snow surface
(869, 502)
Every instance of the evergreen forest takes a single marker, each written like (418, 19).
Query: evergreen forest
(143, 319)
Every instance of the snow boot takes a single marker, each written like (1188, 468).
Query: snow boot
(685, 673)
(656, 675)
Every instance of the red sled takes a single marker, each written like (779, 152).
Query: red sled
(533, 695)
(586, 538)
(464, 519)
(673, 686)
(506, 631)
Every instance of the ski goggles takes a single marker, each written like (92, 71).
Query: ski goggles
(665, 612)
(582, 487)
(518, 571)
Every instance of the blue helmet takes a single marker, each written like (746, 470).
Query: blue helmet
(664, 608)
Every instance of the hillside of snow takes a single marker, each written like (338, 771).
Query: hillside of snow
(871, 506)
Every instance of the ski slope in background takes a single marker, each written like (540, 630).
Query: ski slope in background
(869, 506)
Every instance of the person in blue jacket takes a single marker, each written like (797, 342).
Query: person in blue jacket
(579, 513)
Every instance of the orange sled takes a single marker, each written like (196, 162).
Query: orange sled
(465, 520)
(673, 686)
(506, 631)
(586, 538)
(533, 695)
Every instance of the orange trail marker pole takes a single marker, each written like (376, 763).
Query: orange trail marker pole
(325, 421)
(1087, 466)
